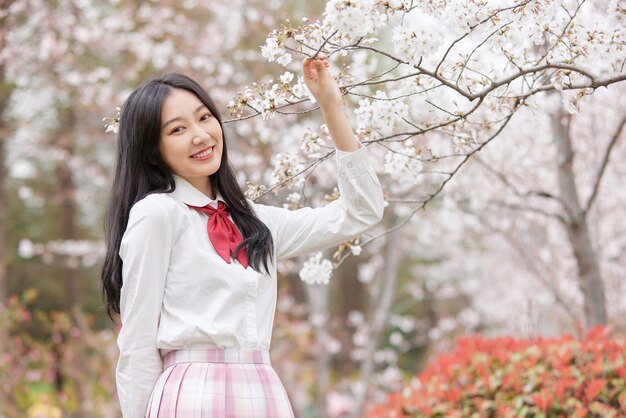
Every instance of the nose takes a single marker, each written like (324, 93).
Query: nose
(200, 135)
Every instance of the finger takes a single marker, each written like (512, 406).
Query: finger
(319, 56)
(309, 68)
(311, 72)
(313, 68)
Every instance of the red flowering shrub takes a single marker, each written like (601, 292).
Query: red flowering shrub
(506, 377)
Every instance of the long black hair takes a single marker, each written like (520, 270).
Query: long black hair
(140, 170)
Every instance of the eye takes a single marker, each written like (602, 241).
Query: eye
(206, 114)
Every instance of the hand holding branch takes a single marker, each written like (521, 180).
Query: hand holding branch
(320, 82)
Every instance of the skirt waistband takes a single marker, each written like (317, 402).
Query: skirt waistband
(216, 355)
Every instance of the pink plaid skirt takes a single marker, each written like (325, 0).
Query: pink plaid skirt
(216, 383)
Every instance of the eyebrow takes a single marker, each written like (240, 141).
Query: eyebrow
(179, 118)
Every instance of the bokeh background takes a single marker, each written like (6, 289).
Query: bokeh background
(501, 244)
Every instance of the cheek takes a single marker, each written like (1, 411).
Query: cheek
(168, 151)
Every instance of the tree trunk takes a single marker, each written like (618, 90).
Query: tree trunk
(589, 276)
(69, 212)
(4, 201)
(380, 312)
(319, 314)
(5, 93)
(347, 283)
(69, 231)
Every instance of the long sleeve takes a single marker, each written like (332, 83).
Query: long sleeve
(145, 252)
(359, 207)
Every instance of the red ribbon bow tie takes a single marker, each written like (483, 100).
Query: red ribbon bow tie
(223, 233)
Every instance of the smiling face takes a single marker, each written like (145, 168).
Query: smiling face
(191, 138)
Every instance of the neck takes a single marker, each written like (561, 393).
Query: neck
(204, 185)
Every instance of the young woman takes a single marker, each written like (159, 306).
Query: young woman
(191, 263)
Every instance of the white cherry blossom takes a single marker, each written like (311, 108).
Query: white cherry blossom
(316, 270)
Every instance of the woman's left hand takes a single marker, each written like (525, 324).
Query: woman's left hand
(320, 82)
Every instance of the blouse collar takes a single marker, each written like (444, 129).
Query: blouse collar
(188, 194)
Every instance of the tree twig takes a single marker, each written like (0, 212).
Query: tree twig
(603, 164)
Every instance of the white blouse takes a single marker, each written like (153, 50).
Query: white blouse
(178, 292)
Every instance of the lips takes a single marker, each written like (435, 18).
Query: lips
(203, 153)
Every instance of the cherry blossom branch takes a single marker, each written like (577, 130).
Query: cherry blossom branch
(491, 16)
(382, 144)
(526, 208)
(421, 131)
(424, 202)
(476, 49)
(595, 82)
(301, 42)
(539, 193)
(559, 38)
(603, 164)
(288, 179)
(345, 88)
(531, 263)
(432, 195)
(368, 81)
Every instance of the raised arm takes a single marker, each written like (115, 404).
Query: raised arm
(325, 90)
(361, 202)
(359, 207)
